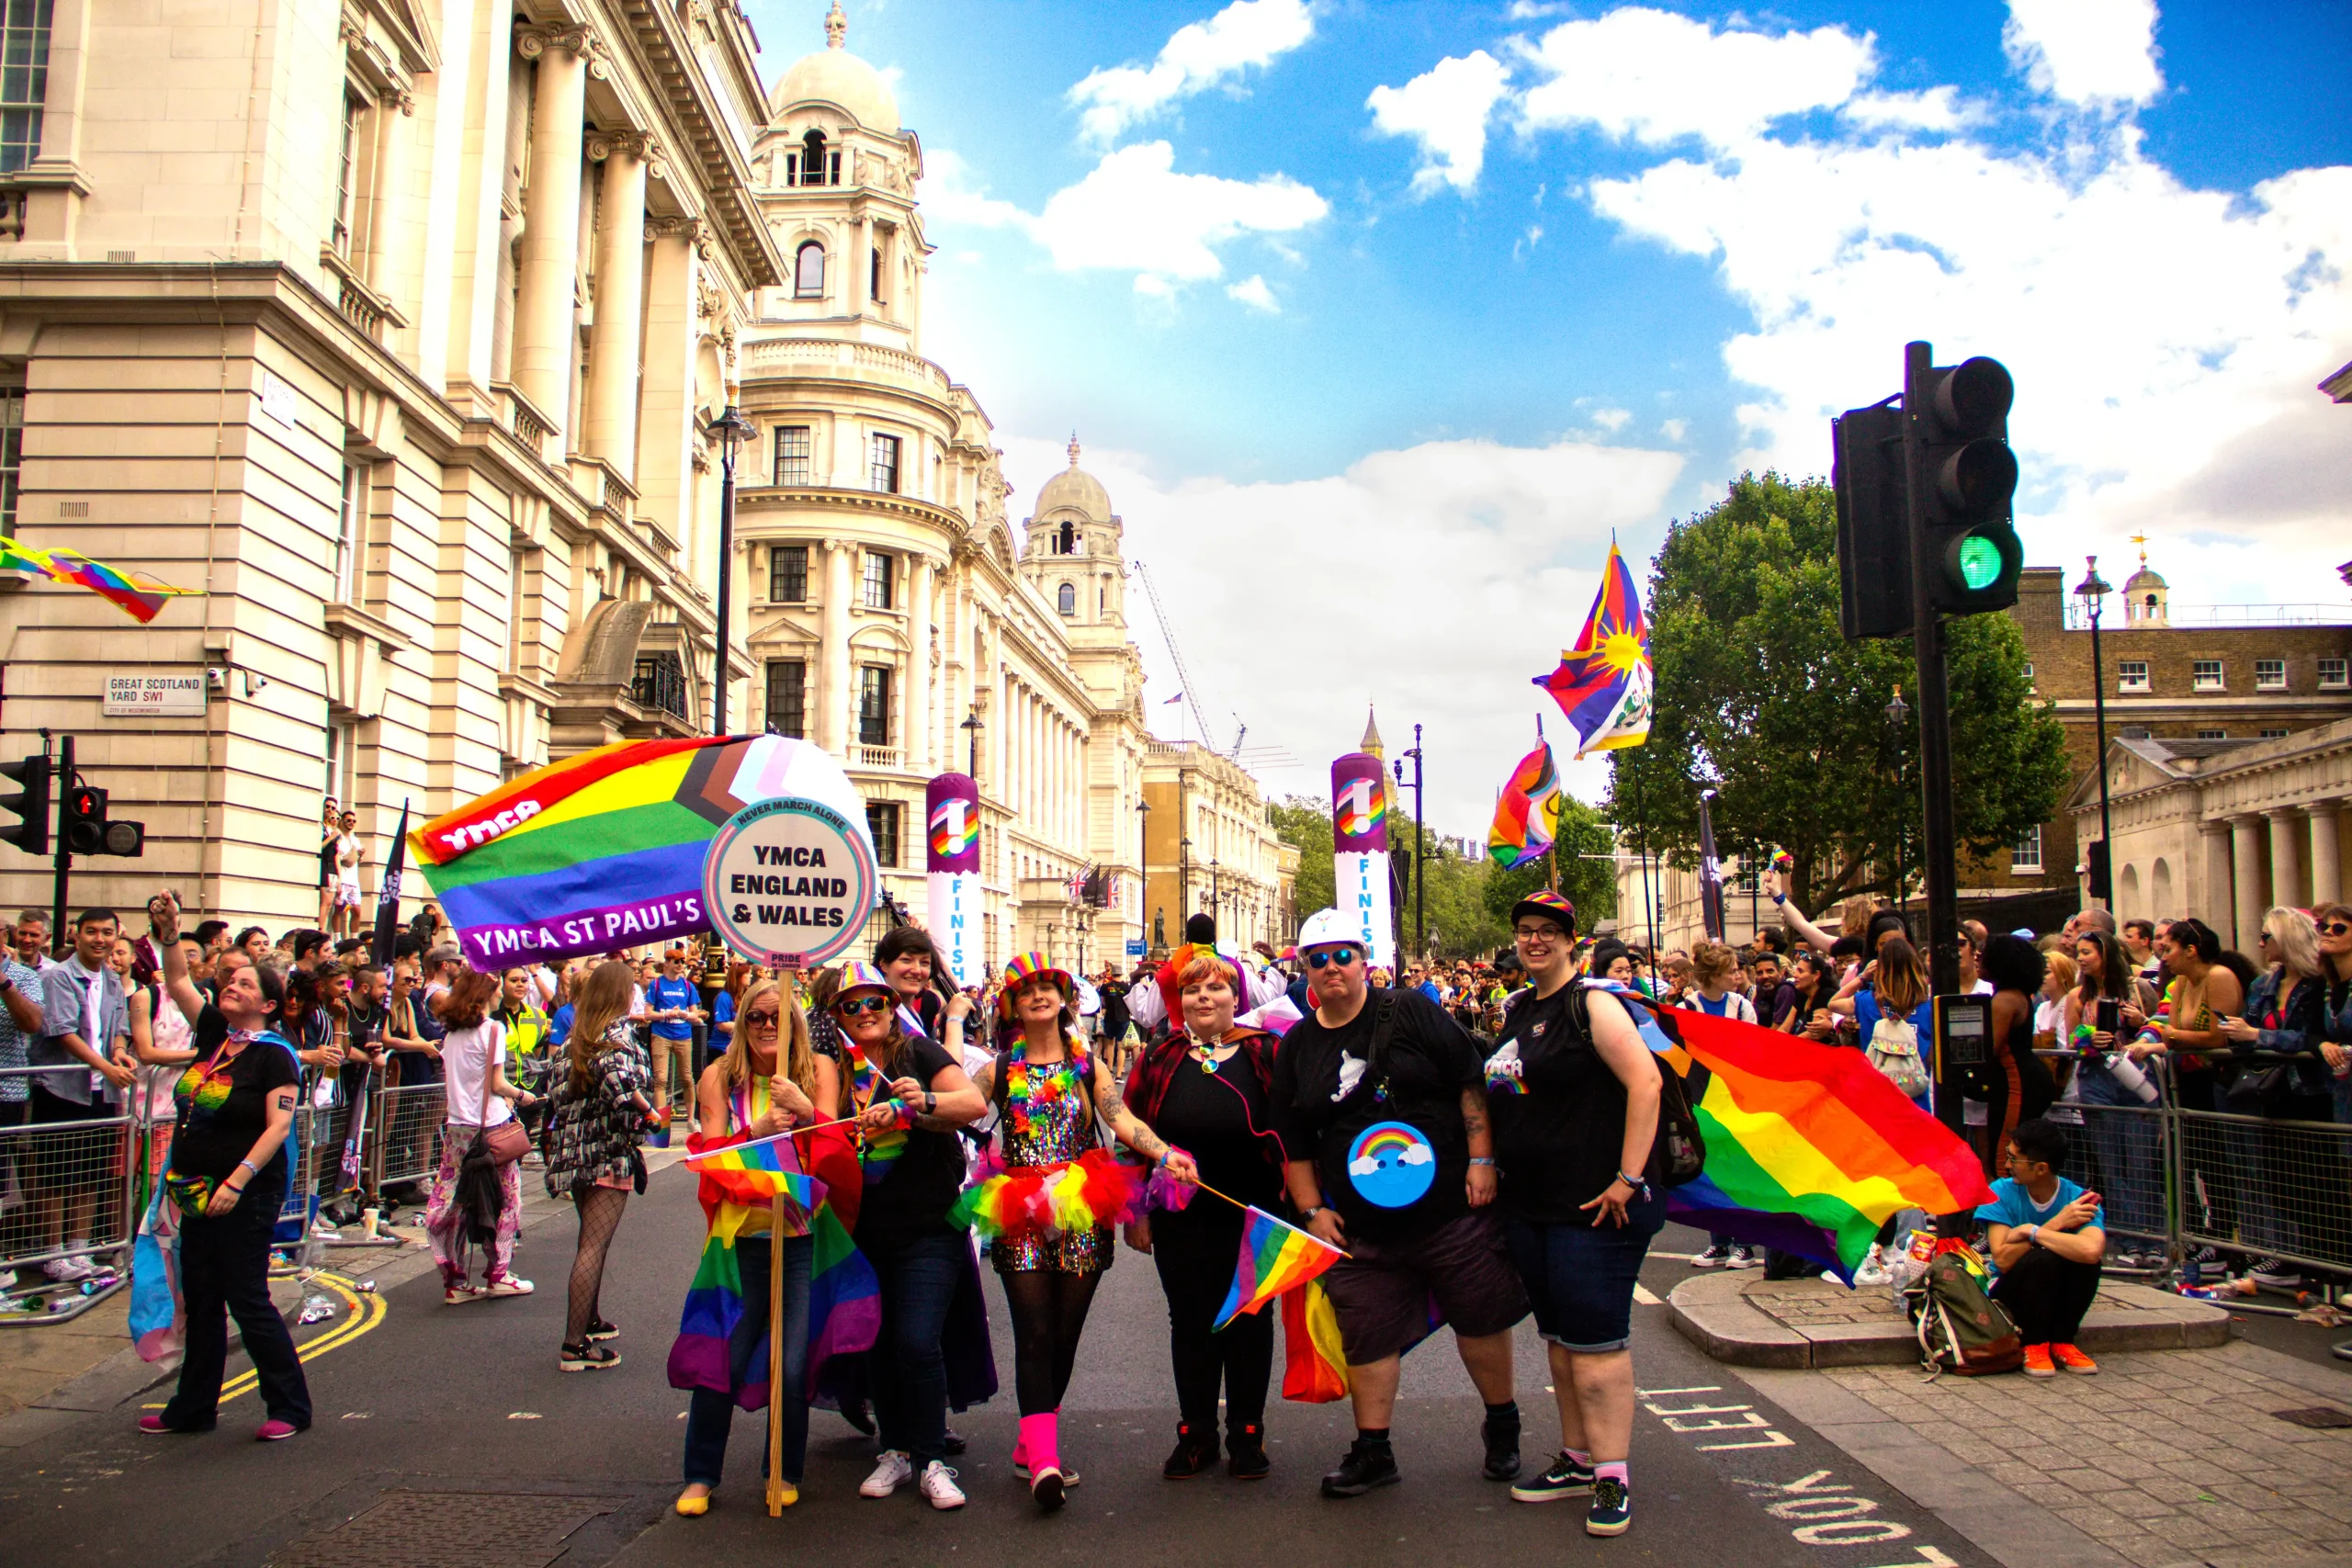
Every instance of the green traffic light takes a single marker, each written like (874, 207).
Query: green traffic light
(1980, 561)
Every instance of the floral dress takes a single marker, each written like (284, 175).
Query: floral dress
(593, 1141)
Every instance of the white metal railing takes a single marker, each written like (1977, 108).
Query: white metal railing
(2111, 618)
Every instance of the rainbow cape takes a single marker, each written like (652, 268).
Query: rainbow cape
(1275, 1258)
(1603, 682)
(845, 1298)
(600, 851)
(1527, 816)
(135, 593)
(1809, 1147)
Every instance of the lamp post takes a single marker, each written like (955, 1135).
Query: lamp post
(1213, 887)
(1184, 844)
(1420, 837)
(731, 428)
(2093, 591)
(971, 726)
(1898, 713)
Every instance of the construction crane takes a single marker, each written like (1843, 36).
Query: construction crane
(1192, 687)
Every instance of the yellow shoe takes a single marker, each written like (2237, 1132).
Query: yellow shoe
(790, 1494)
(694, 1508)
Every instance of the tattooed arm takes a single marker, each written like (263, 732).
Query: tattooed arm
(1132, 1131)
(1482, 1183)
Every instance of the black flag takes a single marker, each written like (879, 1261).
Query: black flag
(388, 901)
(1711, 871)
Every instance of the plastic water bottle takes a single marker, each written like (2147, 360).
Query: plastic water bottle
(2192, 1274)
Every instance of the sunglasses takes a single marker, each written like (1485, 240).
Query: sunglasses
(857, 1007)
(1342, 956)
(2336, 928)
(762, 1020)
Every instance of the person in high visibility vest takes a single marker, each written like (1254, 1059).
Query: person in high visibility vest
(526, 1041)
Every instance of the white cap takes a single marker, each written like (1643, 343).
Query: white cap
(1328, 925)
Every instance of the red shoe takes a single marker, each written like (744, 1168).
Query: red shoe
(2071, 1357)
(2037, 1361)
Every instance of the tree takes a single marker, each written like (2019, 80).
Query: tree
(1585, 856)
(1304, 822)
(1759, 695)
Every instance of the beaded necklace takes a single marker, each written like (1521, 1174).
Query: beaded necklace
(1029, 1091)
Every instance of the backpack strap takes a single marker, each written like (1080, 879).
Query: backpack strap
(1384, 1033)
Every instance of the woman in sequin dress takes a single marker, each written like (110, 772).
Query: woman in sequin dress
(1050, 1092)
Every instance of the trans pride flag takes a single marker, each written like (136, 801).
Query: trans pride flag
(1275, 1258)
(1527, 818)
(1603, 682)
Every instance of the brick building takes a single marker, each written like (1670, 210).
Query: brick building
(2227, 672)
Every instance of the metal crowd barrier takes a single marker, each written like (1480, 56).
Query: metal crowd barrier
(406, 1139)
(2175, 1177)
(67, 1190)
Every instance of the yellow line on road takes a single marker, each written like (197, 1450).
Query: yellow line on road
(366, 1312)
(1641, 1293)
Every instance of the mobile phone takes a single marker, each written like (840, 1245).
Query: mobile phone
(2110, 1016)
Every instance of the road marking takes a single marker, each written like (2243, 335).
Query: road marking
(365, 1312)
(1642, 1294)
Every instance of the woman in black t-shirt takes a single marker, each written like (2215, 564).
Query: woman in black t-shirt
(1575, 1098)
(230, 1165)
(1206, 1090)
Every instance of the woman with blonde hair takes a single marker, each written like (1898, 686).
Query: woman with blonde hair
(768, 1081)
(601, 1111)
(2286, 1011)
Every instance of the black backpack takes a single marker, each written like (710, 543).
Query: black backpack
(1682, 1148)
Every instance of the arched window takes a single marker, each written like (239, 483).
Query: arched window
(1066, 539)
(813, 167)
(1066, 599)
(808, 271)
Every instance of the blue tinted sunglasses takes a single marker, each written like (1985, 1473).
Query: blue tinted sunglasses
(1342, 956)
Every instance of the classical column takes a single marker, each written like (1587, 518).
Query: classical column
(2327, 854)
(551, 258)
(921, 712)
(860, 295)
(2245, 879)
(662, 449)
(2210, 895)
(610, 430)
(2286, 876)
(834, 678)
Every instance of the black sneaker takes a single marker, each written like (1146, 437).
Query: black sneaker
(587, 1358)
(1194, 1452)
(1501, 1436)
(1363, 1468)
(1566, 1478)
(1612, 1509)
(1046, 1490)
(859, 1415)
(1715, 1257)
(1245, 1453)
(952, 1441)
(2277, 1273)
(599, 1329)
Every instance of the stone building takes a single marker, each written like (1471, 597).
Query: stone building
(1208, 846)
(394, 329)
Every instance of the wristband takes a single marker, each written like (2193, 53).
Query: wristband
(1482, 1159)
(248, 1164)
(1635, 1182)
(1779, 899)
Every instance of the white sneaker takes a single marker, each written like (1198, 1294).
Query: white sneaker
(1873, 1271)
(77, 1267)
(1741, 1257)
(894, 1471)
(508, 1285)
(939, 1486)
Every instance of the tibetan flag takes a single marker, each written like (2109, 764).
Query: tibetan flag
(1275, 1258)
(603, 849)
(1603, 682)
(1809, 1147)
(135, 593)
(1527, 818)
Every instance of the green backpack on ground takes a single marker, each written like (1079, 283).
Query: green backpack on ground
(1961, 1328)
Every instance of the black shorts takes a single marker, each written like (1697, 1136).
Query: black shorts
(1385, 1295)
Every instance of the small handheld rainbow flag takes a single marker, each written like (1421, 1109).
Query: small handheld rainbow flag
(1275, 1258)
(760, 1171)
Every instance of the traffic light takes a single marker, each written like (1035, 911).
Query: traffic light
(1874, 522)
(30, 802)
(82, 823)
(1969, 476)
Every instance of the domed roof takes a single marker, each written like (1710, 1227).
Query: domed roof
(2143, 579)
(834, 75)
(1074, 487)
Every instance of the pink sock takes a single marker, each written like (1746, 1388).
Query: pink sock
(1613, 1471)
(1578, 1455)
(1037, 1441)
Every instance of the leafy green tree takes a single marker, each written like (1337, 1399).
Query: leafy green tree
(1584, 854)
(1759, 696)
(1304, 822)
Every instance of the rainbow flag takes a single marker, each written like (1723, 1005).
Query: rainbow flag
(1809, 1147)
(600, 851)
(1314, 1364)
(761, 1171)
(1527, 818)
(135, 593)
(1603, 682)
(1275, 1258)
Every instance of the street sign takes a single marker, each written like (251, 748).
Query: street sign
(154, 694)
(1135, 947)
(789, 883)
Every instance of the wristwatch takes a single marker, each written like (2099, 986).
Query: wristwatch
(1308, 1213)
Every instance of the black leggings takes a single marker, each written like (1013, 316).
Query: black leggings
(600, 1216)
(1049, 1314)
(1195, 1256)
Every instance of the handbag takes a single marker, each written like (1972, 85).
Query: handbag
(507, 1142)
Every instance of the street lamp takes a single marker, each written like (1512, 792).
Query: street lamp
(971, 726)
(1898, 713)
(1213, 887)
(1421, 831)
(2093, 591)
(732, 429)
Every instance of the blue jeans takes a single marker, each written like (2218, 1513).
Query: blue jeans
(907, 1372)
(2131, 1182)
(710, 1414)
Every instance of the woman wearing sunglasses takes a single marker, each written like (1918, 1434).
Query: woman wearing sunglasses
(1051, 1209)
(909, 1097)
(767, 1082)
(2335, 922)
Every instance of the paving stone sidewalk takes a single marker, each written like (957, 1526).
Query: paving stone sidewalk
(2166, 1458)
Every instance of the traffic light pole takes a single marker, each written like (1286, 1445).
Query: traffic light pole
(1938, 857)
(64, 856)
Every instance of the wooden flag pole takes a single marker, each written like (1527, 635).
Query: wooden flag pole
(789, 997)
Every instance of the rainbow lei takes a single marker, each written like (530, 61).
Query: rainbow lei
(1029, 1089)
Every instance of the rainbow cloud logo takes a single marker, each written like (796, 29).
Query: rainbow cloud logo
(1392, 1163)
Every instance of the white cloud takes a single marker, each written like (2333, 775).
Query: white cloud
(1196, 57)
(1134, 212)
(1611, 419)
(1252, 291)
(1436, 581)
(1653, 77)
(1674, 429)
(1937, 108)
(1445, 109)
(2086, 51)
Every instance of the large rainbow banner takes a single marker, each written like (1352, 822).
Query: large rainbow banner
(605, 849)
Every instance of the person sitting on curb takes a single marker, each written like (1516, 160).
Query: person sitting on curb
(2046, 1237)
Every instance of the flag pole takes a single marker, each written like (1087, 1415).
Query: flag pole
(790, 997)
(1252, 1207)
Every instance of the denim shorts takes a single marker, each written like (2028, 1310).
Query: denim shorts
(1580, 1278)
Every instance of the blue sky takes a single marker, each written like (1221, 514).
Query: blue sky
(1379, 318)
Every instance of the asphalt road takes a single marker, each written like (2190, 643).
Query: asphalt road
(450, 1435)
